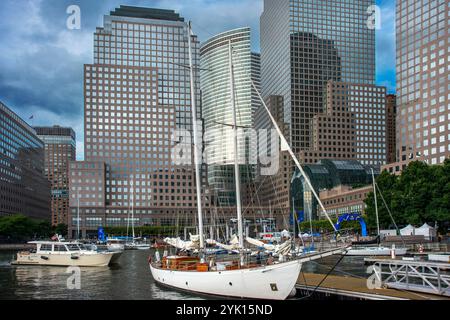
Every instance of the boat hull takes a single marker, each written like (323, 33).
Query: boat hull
(375, 251)
(64, 260)
(274, 282)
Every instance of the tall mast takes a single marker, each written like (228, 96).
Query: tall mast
(236, 160)
(78, 215)
(132, 207)
(197, 148)
(376, 201)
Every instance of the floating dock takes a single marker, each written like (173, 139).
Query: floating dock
(351, 288)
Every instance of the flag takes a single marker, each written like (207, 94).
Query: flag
(32, 117)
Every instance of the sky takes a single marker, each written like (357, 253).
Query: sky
(41, 60)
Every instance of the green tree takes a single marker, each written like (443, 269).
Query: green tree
(421, 194)
(61, 229)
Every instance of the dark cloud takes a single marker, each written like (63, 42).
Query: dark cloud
(41, 61)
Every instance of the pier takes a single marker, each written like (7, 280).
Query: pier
(352, 288)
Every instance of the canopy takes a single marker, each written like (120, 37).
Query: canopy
(408, 231)
(426, 231)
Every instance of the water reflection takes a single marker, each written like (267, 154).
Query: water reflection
(129, 280)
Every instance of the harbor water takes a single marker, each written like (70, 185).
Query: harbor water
(130, 279)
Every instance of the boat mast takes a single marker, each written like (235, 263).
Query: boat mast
(197, 148)
(236, 162)
(376, 202)
(132, 208)
(78, 215)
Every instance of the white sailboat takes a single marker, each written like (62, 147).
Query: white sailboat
(134, 245)
(375, 250)
(237, 279)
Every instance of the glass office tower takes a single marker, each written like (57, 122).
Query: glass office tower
(24, 189)
(217, 109)
(304, 44)
(423, 81)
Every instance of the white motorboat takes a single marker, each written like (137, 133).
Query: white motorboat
(115, 245)
(137, 246)
(62, 254)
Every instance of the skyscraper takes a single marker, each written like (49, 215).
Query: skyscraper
(304, 44)
(137, 95)
(423, 81)
(60, 150)
(217, 108)
(24, 189)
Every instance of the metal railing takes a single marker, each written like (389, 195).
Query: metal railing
(425, 277)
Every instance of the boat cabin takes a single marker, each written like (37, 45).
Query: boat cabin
(56, 247)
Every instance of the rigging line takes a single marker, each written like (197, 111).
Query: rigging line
(390, 214)
(260, 186)
(291, 152)
(325, 278)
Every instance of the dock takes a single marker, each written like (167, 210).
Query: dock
(352, 288)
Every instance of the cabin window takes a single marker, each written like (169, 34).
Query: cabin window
(73, 247)
(60, 248)
(46, 247)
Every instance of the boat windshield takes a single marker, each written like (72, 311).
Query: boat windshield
(73, 247)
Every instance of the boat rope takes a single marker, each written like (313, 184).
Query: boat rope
(390, 214)
(323, 280)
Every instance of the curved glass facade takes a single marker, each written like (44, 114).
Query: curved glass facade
(327, 174)
(217, 109)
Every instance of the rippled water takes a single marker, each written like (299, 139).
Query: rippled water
(130, 279)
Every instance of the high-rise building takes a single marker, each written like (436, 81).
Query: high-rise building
(391, 133)
(353, 126)
(60, 150)
(217, 109)
(306, 43)
(423, 82)
(137, 96)
(24, 189)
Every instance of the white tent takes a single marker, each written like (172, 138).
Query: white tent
(408, 231)
(426, 231)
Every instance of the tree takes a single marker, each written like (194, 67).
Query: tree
(62, 229)
(420, 195)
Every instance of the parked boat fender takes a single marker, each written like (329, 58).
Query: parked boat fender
(157, 256)
(44, 258)
(149, 260)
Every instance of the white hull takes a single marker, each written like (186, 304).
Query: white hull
(137, 247)
(375, 251)
(116, 247)
(275, 282)
(55, 259)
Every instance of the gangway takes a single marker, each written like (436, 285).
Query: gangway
(417, 276)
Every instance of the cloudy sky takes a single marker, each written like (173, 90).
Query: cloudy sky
(41, 61)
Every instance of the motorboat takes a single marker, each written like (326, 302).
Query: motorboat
(49, 253)
(115, 245)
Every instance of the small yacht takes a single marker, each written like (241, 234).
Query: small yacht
(137, 246)
(49, 253)
(115, 245)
